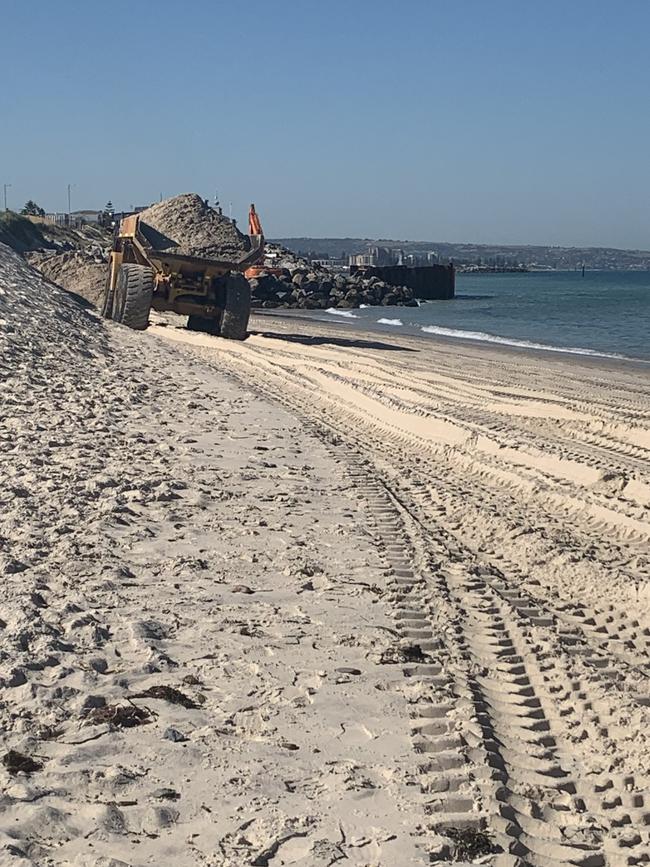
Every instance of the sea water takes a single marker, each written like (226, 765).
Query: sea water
(603, 313)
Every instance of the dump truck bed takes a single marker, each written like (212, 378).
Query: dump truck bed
(168, 260)
(164, 258)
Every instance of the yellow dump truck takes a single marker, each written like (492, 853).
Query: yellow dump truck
(215, 295)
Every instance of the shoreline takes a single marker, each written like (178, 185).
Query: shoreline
(319, 595)
(397, 336)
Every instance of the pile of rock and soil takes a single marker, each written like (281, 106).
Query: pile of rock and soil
(278, 256)
(311, 286)
(24, 236)
(187, 225)
(75, 258)
(312, 289)
(81, 271)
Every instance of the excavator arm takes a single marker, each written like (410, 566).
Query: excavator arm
(254, 225)
(257, 236)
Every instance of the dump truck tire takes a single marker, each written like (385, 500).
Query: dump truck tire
(203, 323)
(109, 297)
(133, 294)
(234, 325)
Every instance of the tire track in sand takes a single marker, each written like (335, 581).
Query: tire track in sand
(525, 703)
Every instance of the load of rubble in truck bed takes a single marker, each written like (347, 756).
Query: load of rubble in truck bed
(187, 226)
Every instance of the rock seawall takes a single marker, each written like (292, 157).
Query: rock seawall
(319, 290)
(428, 282)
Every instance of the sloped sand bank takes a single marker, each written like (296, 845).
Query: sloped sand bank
(192, 615)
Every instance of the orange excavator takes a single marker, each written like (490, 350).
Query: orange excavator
(254, 225)
(255, 229)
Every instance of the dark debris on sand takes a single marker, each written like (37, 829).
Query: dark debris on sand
(118, 716)
(16, 762)
(469, 843)
(401, 655)
(168, 693)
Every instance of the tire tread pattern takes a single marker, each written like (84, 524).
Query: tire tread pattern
(234, 325)
(138, 286)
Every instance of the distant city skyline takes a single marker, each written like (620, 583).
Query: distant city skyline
(501, 123)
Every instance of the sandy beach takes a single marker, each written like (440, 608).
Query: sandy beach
(320, 596)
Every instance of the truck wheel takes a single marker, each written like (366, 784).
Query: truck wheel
(203, 323)
(234, 325)
(109, 296)
(133, 294)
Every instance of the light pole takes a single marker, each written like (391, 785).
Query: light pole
(70, 186)
(5, 188)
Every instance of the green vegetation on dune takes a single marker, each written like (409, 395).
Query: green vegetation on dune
(24, 235)
(21, 234)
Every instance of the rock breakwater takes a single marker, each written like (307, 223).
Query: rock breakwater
(320, 290)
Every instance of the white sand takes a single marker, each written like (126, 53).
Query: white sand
(404, 589)
(163, 526)
(514, 490)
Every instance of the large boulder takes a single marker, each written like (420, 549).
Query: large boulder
(264, 287)
(318, 289)
(341, 282)
(309, 287)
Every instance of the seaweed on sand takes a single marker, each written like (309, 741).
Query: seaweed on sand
(168, 693)
(16, 762)
(469, 843)
(119, 716)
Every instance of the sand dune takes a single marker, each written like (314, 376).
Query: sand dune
(192, 616)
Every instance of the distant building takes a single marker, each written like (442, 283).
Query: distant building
(76, 219)
(85, 216)
(374, 257)
(417, 260)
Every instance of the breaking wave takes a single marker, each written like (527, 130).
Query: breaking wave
(347, 313)
(511, 341)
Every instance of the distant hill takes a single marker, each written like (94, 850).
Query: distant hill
(561, 258)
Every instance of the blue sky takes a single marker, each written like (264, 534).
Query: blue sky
(504, 121)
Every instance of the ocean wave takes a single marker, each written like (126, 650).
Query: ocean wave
(347, 313)
(511, 341)
(390, 322)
